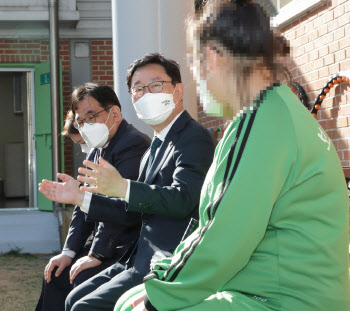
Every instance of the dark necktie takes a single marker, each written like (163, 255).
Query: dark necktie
(154, 146)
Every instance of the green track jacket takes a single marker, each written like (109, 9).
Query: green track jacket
(280, 233)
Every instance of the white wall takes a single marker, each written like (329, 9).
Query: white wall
(140, 27)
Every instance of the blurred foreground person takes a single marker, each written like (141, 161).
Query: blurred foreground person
(273, 231)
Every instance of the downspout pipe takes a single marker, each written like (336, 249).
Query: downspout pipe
(55, 98)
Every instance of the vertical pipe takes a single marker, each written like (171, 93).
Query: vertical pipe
(115, 46)
(55, 95)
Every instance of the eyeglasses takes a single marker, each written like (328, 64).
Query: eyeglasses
(89, 119)
(154, 87)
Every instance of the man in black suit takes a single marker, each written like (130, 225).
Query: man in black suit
(92, 246)
(167, 190)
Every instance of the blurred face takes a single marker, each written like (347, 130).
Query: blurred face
(216, 84)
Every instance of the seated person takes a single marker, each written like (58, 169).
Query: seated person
(167, 191)
(92, 246)
(70, 131)
(274, 211)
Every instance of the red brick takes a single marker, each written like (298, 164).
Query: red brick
(339, 56)
(313, 35)
(105, 47)
(319, 84)
(341, 122)
(346, 154)
(300, 31)
(334, 47)
(97, 52)
(319, 63)
(104, 58)
(345, 110)
(97, 42)
(317, 23)
(334, 68)
(335, 134)
(332, 26)
(309, 47)
(345, 65)
(314, 76)
(344, 19)
(322, 30)
(338, 11)
(324, 72)
(323, 51)
(347, 7)
(327, 17)
(328, 38)
(342, 144)
(339, 33)
(341, 100)
(331, 124)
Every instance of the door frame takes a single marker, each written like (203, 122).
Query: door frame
(32, 167)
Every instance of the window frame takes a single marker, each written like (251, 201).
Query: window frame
(293, 10)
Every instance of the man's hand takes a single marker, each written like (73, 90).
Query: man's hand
(81, 264)
(137, 303)
(61, 261)
(103, 178)
(64, 192)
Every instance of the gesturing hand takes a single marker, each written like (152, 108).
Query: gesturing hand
(103, 178)
(137, 303)
(64, 192)
(61, 261)
(81, 264)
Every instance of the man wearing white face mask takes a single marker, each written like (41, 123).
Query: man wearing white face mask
(91, 247)
(168, 187)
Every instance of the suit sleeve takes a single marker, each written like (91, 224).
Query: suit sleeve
(193, 156)
(107, 237)
(230, 233)
(79, 231)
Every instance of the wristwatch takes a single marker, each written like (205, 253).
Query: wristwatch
(97, 256)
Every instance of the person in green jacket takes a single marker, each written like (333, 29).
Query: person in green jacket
(273, 231)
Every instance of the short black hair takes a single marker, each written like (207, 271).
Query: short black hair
(103, 94)
(171, 67)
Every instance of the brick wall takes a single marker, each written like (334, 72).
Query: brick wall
(321, 47)
(37, 51)
(102, 62)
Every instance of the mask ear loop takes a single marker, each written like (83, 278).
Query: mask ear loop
(107, 121)
(174, 93)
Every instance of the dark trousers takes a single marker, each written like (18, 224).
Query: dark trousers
(53, 294)
(103, 290)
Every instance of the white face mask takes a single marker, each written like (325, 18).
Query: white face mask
(95, 135)
(85, 148)
(155, 108)
(210, 105)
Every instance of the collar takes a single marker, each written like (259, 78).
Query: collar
(164, 132)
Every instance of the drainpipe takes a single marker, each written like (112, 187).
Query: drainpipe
(55, 100)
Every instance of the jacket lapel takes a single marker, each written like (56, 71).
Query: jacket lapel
(166, 147)
(143, 165)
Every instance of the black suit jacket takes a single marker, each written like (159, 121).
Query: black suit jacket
(124, 152)
(168, 196)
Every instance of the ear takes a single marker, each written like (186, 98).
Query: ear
(212, 58)
(179, 91)
(116, 114)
